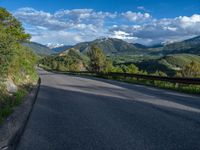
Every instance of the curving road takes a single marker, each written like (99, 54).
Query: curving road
(77, 113)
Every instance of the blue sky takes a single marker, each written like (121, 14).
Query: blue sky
(73, 21)
(159, 8)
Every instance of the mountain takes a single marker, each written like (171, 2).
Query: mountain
(113, 46)
(39, 48)
(110, 46)
(191, 46)
(61, 48)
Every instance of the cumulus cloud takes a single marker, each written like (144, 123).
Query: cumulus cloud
(40, 18)
(133, 16)
(123, 35)
(78, 25)
(163, 30)
(63, 19)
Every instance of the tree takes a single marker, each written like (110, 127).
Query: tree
(6, 51)
(108, 66)
(159, 73)
(54, 65)
(11, 34)
(191, 70)
(117, 69)
(11, 26)
(97, 59)
(132, 69)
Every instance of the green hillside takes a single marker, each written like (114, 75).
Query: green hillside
(169, 63)
(179, 60)
(39, 48)
(72, 60)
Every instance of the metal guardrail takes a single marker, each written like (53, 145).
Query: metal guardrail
(194, 81)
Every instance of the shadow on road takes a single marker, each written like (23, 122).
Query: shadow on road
(74, 117)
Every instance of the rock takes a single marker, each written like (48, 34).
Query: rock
(11, 87)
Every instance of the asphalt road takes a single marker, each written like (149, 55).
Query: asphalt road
(77, 113)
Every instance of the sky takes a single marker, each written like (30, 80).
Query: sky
(67, 22)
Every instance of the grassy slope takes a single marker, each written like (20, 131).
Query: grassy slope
(22, 72)
(168, 64)
(179, 60)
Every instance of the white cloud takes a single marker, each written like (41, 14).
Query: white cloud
(56, 37)
(40, 18)
(133, 16)
(78, 25)
(122, 35)
(63, 19)
(54, 45)
(163, 30)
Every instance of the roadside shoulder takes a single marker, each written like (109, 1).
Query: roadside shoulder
(13, 127)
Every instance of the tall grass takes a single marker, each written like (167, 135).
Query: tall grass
(9, 102)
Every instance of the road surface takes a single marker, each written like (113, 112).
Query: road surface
(77, 113)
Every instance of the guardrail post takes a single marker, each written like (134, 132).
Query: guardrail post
(154, 83)
(125, 77)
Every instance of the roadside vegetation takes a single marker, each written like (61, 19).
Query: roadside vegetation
(17, 64)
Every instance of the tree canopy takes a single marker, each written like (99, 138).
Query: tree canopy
(97, 59)
(11, 26)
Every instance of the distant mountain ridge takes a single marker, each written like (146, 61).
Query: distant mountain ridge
(191, 46)
(39, 48)
(116, 47)
(61, 48)
(111, 46)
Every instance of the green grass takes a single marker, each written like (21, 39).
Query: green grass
(184, 88)
(8, 103)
